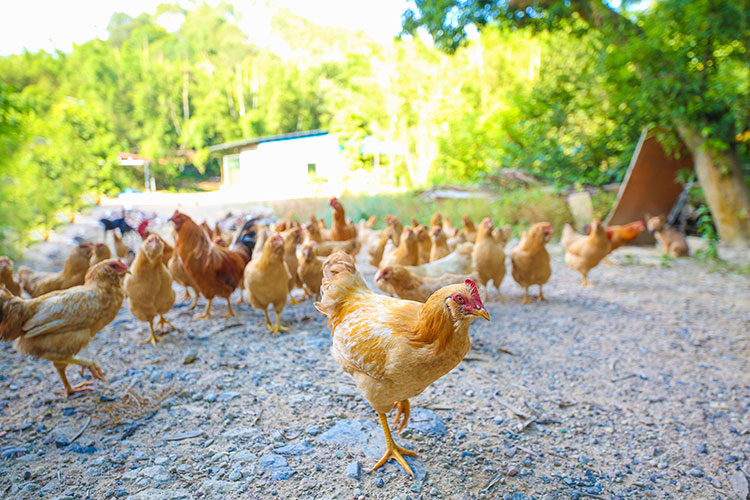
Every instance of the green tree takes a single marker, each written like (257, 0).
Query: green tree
(689, 57)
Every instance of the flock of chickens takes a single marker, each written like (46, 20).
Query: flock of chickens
(393, 347)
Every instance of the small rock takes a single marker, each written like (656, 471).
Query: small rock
(434, 492)
(235, 475)
(379, 483)
(61, 442)
(354, 470)
(301, 448)
(512, 470)
(696, 472)
(190, 356)
(702, 449)
(139, 456)
(210, 397)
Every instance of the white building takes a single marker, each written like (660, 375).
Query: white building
(296, 165)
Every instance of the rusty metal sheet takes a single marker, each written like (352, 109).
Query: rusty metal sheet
(650, 185)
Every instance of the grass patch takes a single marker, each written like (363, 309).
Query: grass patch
(519, 207)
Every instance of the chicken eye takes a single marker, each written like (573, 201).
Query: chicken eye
(460, 299)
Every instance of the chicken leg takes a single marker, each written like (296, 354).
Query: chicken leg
(526, 299)
(207, 312)
(392, 450)
(584, 281)
(195, 299)
(278, 327)
(268, 322)
(91, 366)
(541, 295)
(229, 312)
(164, 321)
(403, 408)
(153, 338)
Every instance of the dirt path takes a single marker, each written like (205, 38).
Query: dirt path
(636, 388)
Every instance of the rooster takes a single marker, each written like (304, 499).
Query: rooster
(395, 348)
(215, 270)
(57, 325)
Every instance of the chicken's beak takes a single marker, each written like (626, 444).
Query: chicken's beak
(481, 312)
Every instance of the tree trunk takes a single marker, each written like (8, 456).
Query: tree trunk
(726, 192)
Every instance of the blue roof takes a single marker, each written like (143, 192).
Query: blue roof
(269, 138)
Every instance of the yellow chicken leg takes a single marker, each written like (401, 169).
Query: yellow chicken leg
(526, 299)
(195, 299)
(585, 282)
(229, 312)
(207, 312)
(392, 450)
(403, 408)
(268, 322)
(278, 327)
(85, 364)
(163, 322)
(153, 338)
(541, 295)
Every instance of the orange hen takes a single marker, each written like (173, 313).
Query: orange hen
(341, 229)
(394, 349)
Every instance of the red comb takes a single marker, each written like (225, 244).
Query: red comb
(474, 292)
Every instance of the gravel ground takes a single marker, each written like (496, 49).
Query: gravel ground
(638, 387)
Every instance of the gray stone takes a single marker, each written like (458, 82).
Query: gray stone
(190, 356)
(427, 422)
(301, 448)
(354, 470)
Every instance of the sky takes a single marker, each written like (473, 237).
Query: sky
(55, 24)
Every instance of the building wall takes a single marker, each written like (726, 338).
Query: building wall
(283, 170)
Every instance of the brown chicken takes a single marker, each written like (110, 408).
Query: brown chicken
(215, 270)
(673, 242)
(181, 278)
(448, 228)
(267, 281)
(121, 249)
(530, 260)
(341, 228)
(376, 253)
(469, 231)
(409, 286)
(489, 257)
(583, 253)
(436, 220)
(439, 248)
(73, 273)
(56, 326)
(6, 276)
(424, 244)
(100, 253)
(407, 253)
(396, 228)
(149, 287)
(394, 349)
(292, 238)
(311, 269)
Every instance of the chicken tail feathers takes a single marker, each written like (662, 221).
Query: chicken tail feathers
(11, 315)
(340, 280)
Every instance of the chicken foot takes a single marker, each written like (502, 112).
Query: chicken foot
(195, 299)
(229, 312)
(152, 338)
(268, 322)
(527, 299)
(403, 408)
(584, 281)
(392, 450)
(207, 312)
(164, 321)
(85, 364)
(541, 295)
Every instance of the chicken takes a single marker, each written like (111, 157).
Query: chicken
(620, 235)
(73, 273)
(181, 278)
(263, 234)
(424, 244)
(57, 325)
(439, 248)
(326, 248)
(529, 259)
(394, 348)
(459, 261)
(100, 253)
(166, 255)
(407, 253)
(673, 242)
(583, 253)
(215, 270)
(6, 276)
(149, 287)
(267, 281)
(311, 269)
(489, 256)
(396, 228)
(436, 220)
(409, 286)
(370, 223)
(121, 249)
(376, 254)
(469, 231)
(292, 238)
(341, 228)
(448, 228)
